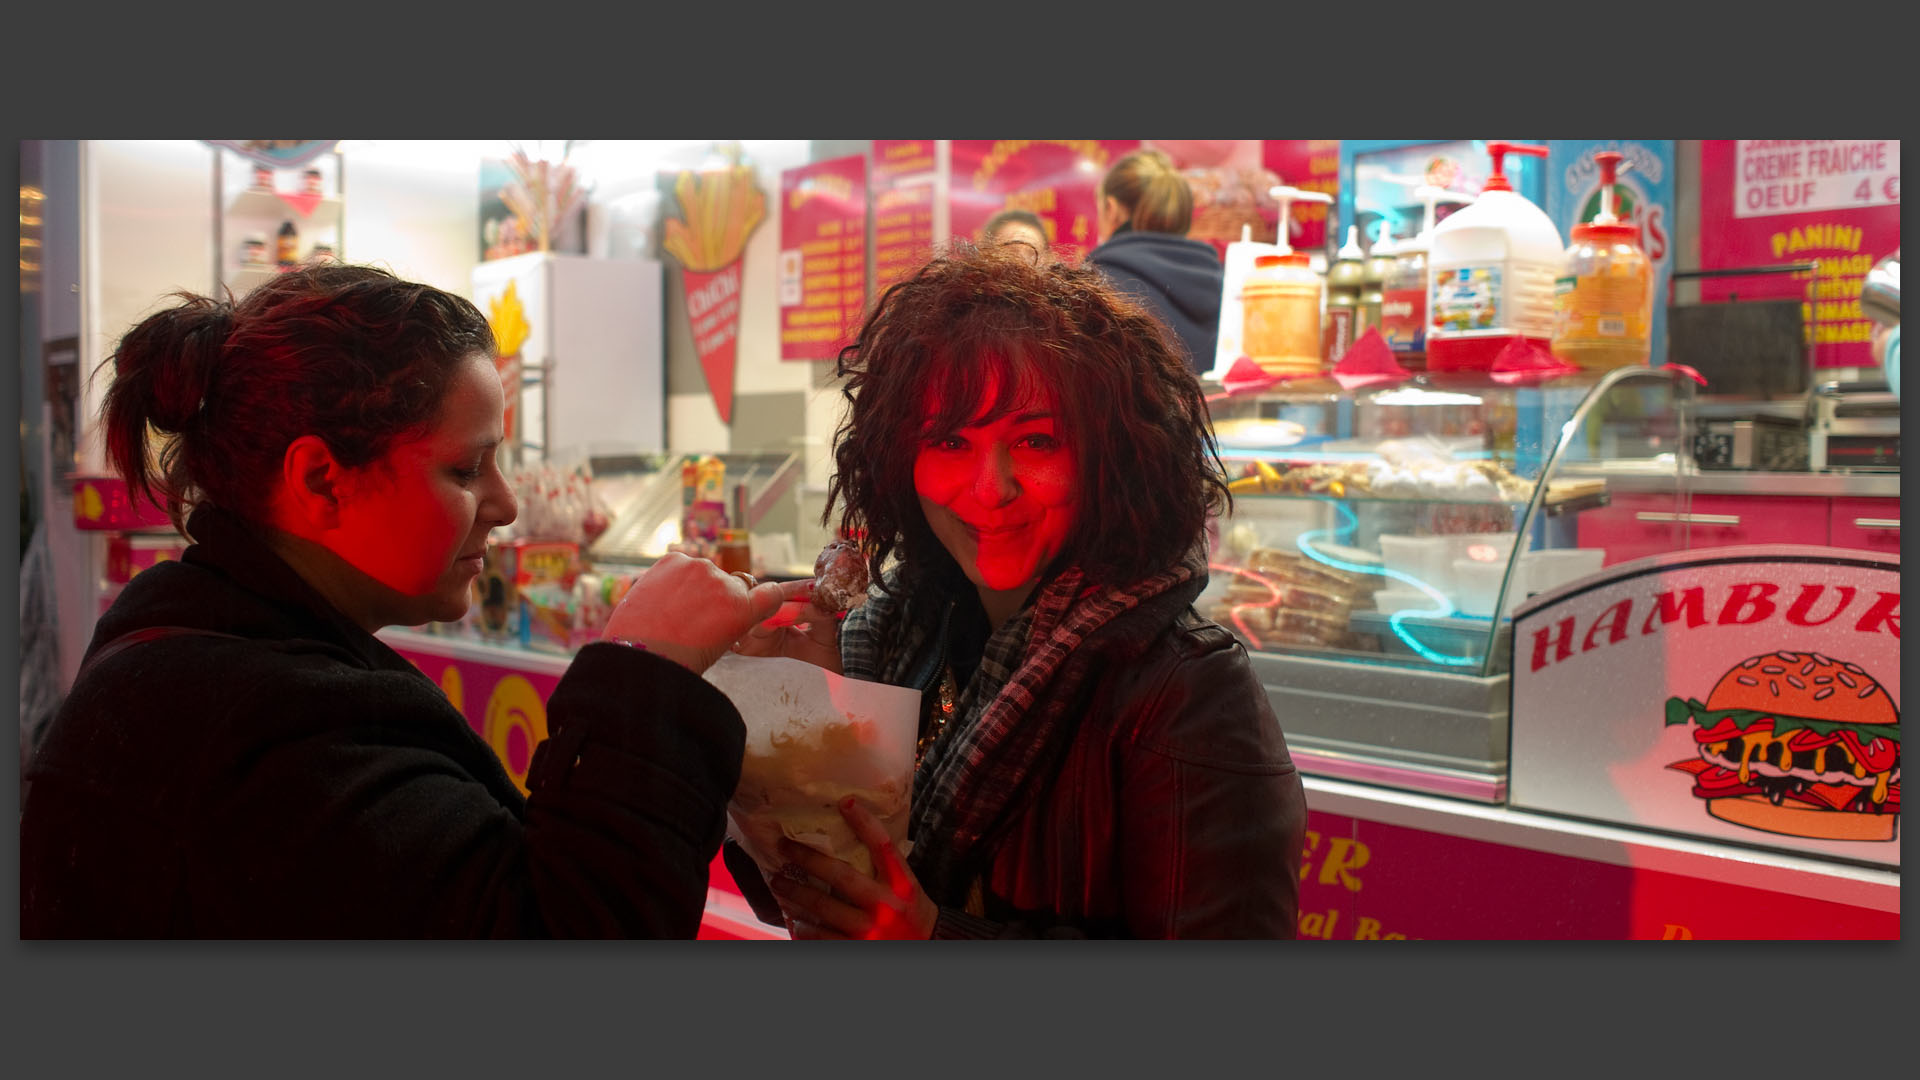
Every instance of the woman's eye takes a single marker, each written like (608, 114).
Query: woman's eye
(467, 476)
(946, 442)
(1038, 441)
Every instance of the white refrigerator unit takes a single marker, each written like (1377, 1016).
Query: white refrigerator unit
(591, 376)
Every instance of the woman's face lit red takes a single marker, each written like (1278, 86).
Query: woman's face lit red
(417, 520)
(1001, 495)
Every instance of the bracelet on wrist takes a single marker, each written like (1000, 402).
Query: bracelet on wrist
(628, 642)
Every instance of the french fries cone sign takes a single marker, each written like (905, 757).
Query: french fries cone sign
(508, 318)
(719, 209)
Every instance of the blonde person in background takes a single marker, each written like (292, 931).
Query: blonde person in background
(1145, 208)
(1018, 227)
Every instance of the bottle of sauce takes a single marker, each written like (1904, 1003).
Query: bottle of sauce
(1491, 272)
(1344, 279)
(287, 248)
(734, 551)
(1281, 301)
(1374, 282)
(1403, 301)
(1603, 300)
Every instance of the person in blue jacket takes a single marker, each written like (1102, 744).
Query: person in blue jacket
(1145, 208)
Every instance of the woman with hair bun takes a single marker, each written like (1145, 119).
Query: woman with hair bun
(1145, 208)
(240, 756)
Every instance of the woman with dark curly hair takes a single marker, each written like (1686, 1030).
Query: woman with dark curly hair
(1028, 461)
(240, 756)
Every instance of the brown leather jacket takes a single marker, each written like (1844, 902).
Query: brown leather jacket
(1176, 812)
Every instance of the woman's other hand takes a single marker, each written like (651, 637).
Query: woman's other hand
(891, 907)
(691, 611)
(799, 631)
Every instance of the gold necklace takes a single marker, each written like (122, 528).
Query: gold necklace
(942, 712)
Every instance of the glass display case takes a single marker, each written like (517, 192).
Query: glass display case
(644, 492)
(1380, 540)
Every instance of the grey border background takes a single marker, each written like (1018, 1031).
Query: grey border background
(680, 1009)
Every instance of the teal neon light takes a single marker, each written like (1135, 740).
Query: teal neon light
(1344, 526)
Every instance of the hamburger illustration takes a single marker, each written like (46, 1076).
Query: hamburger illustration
(1797, 744)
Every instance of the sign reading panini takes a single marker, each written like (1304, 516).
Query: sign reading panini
(1746, 694)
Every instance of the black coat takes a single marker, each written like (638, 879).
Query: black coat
(303, 780)
(1178, 279)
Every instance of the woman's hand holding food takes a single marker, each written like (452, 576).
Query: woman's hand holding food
(799, 631)
(811, 632)
(891, 907)
(691, 611)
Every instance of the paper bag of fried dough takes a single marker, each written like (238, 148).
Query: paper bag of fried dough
(814, 738)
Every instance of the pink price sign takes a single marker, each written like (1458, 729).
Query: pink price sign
(823, 256)
(905, 175)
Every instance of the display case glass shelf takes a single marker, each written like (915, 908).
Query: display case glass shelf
(1379, 541)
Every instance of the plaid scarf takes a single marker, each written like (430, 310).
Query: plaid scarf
(1009, 726)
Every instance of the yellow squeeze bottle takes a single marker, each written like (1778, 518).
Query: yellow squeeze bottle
(1603, 299)
(1281, 301)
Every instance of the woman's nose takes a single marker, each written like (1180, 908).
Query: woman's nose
(993, 482)
(501, 507)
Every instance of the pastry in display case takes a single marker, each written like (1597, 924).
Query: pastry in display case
(1381, 538)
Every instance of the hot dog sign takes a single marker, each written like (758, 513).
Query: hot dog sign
(1747, 694)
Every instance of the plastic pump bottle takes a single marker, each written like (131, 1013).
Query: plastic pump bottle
(1344, 280)
(1603, 311)
(1281, 301)
(1491, 273)
(1403, 300)
(1237, 265)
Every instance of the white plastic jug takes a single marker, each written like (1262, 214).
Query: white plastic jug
(1490, 274)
